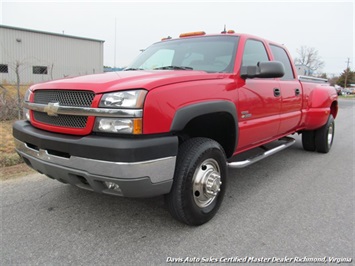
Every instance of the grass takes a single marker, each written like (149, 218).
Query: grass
(12, 89)
(9, 106)
(11, 164)
(351, 96)
(8, 156)
(15, 171)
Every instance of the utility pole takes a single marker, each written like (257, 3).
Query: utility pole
(346, 72)
(114, 59)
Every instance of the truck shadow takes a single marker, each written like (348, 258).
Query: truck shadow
(88, 211)
(241, 181)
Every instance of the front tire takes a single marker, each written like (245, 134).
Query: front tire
(199, 181)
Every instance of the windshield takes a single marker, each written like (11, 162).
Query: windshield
(211, 54)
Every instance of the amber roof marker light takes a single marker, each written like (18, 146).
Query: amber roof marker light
(194, 33)
(229, 31)
(166, 38)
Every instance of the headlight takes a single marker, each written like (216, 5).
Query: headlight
(26, 112)
(123, 99)
(133, 99)
(118, 125)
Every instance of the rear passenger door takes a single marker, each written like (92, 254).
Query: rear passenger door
(258, 100)
(291, 92)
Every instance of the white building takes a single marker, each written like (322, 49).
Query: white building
(42, 56)
(303, 70)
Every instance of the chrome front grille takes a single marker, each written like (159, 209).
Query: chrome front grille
(64, 98)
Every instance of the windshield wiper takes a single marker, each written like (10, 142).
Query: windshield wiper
(173, 68)
(132, 68)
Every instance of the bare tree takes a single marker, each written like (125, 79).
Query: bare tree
(8, 105)
(52, 66)
(17, 71)
(308, 56)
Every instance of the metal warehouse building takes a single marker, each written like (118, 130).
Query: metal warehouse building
(41, 56)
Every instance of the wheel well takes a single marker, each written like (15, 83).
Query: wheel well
(217, 126)
(334, 109)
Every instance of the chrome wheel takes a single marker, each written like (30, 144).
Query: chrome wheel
(197, 191)
(330, 135)
(206, 183)
(324, 137)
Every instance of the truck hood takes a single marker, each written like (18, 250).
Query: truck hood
(123, 80)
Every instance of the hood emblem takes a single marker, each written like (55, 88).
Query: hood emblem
(52, 108)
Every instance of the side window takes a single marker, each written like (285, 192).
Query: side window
(254, 52)
(281, 56)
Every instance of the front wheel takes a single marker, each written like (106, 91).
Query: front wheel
(199, 181)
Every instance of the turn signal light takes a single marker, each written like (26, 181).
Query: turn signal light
(137, 126)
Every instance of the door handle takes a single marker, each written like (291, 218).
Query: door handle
(277, 92)
(297, 92)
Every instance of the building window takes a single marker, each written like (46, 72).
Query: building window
(40, 70)
(4, 68)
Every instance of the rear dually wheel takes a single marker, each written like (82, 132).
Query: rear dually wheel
(320, 140)
(325, 135)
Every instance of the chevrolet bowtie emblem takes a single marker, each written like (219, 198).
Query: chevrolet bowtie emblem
(51, 109)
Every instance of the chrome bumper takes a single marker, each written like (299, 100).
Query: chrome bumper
(134, 179)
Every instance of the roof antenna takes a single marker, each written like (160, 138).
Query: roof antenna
(224, 30)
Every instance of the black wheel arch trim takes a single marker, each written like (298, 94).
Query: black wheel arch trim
(185, 114)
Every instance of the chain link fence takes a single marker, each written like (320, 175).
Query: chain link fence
(9, 107)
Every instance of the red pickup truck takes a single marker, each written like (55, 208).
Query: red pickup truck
(174, 121)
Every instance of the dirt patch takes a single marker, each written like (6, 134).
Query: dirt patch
(15, 171)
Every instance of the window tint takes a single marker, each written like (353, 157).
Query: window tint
(40, 70)
(254, 52)
(281, 56)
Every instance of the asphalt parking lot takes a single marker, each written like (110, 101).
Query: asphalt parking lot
(295, 204)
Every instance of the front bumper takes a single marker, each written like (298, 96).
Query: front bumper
(137, 167)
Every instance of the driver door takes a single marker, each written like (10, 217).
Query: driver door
(259, 101)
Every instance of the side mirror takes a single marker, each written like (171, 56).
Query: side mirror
(268, 69)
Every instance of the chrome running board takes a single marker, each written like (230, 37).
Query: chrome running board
(241, 164)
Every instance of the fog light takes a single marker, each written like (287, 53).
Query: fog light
(112, 186)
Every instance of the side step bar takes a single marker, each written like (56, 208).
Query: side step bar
(241, 164)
